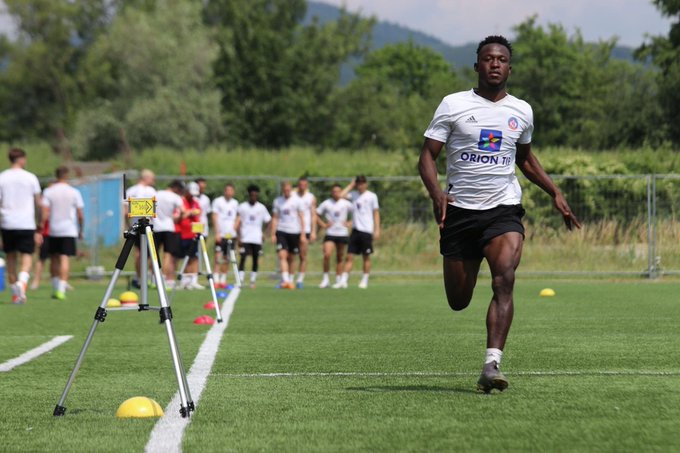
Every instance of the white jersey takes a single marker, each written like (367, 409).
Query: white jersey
(363, 206)
(206, 208)
(481, 138)
(140, 191)
(64, 202)
(335, 213)
(18, 189)
(253, 218)
(226, 211)
(288, 211)
(307, 200)
(167, 204)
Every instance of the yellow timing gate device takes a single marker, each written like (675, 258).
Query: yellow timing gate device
(197, 227)
(141, 207)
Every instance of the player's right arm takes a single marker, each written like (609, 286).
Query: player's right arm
(427, 166)
(275, 223)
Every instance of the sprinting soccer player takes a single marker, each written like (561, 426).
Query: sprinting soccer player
(252, 217)
(308, 201)
(486, 132)
(288, 232)
(19, 202)
(63, 205)
(191, 214)
(224, 212)
(143, 189)
(333, 214)
(365, 228)
(169, 207)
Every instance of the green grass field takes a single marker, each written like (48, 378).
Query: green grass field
(390, 368)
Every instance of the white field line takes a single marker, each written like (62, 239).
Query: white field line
(166, 436)
(443, 374)
(34, 353)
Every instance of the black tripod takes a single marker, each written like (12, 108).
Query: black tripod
(140, 230)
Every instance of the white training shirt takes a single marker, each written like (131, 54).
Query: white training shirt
(18, 189)
(206, 208)
(307, 200)
(226, 211)
(335, 213)
(480, 139)
(167, 204)
(140, 191)
(363, 206)
(64, 201)
(253, 218)
(288, 211)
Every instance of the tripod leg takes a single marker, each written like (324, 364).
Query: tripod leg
(211, 280)
(186, 404)
(234, 266)
(178, 280)
(144, 270)
(99, 317)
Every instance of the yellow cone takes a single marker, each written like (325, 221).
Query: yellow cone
(547, 292)
(112, 303)
(139, 407)
(128, 297)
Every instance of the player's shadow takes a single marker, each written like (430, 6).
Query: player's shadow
(410, 388)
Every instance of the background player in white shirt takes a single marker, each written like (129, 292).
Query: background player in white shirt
(288, 232)
(143, 189)
(63, 207)
(252, 217)
(308, 201)
(169, 208)
(206, 205)
(485, 131)
(224, 212)
(365, 228)
(19, 203)
(333, 215)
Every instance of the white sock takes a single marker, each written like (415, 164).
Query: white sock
(285, 277)
(344, 278)
(301, 277)
(364, 279)
(493, 354)
(223, 278)
(338, 277)
(55, 283)
(23, 277)
(186, 279)
(253, 277)
(194, 278)
(62, 286)
(325, 278)
(242, 275)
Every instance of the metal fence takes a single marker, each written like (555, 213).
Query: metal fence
(631, 223)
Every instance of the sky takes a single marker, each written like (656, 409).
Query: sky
(463, 21)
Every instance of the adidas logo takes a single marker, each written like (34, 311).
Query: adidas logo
(471, 119)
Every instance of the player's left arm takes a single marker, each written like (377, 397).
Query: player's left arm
(81, 222)
(376, 222)
(315, 220)
(303, 235)
(41, 216)
(531, 168)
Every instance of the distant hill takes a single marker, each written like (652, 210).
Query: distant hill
(388, 33)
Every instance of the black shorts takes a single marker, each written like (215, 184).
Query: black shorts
(250, 249)
(22, 241)
(169, 240)
(44, 249)
(466, 231)
(62, 245)
(288, 241)
(336, 239)
(360, 243)
(188, 247)
(225, 245)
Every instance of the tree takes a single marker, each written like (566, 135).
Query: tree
(580, 96)
(151, 82)
(42, 82)
(276, 76)
(665, 53)
(392, 99)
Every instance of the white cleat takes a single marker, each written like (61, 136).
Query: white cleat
(194, 286)
(339, 285)
(363, 285)
(323, 285)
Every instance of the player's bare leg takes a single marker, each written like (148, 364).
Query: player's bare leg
(363, 284)
(304, 248)
(503, 254)
(339, 260)
(60, 271)
(344, 278)
(327, 247)
(285, 263)
(460, 279)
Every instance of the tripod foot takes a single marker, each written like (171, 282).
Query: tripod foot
(59, 411)
(191, 406)
(184, 412)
